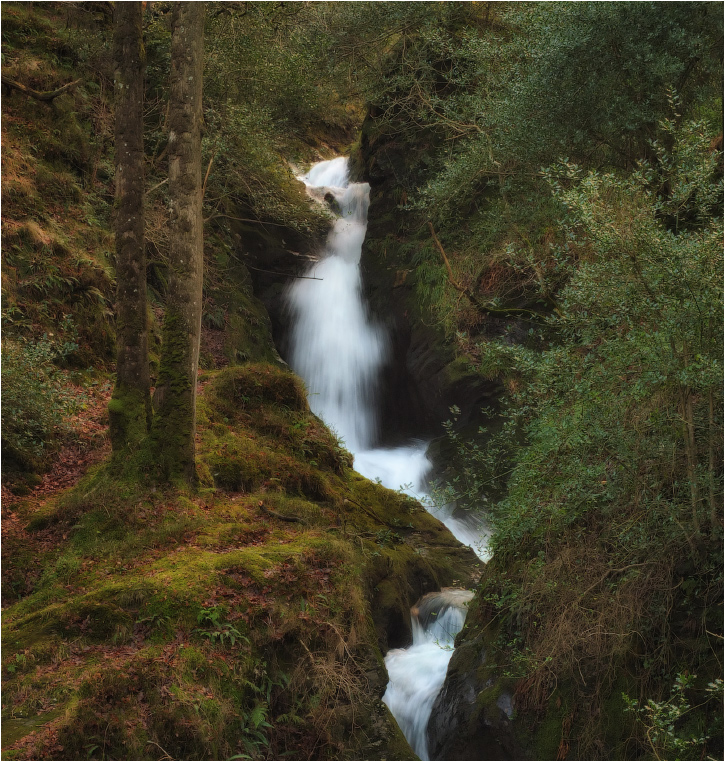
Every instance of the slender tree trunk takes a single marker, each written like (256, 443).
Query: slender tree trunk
(688, 434)
(715, 504)
(130, 407)
(174, 425)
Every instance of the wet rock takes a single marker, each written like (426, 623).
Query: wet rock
(471, 719)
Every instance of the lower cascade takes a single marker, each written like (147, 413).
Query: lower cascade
(417, 673)
(339, 351)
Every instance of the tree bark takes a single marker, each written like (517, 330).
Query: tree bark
(174, 424)
(130, 406)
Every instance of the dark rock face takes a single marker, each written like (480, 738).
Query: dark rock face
(442, 384)
(419, 383)
(422, 378)
(462, 726)
(272, 261)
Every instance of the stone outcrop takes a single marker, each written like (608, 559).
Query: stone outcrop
(469, 721)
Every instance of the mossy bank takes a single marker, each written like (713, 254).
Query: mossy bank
(248, 618)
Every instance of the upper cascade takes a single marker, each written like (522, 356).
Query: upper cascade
(335, 346)
(334, 173)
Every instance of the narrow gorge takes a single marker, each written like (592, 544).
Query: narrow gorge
(339, 350)
(449, 372)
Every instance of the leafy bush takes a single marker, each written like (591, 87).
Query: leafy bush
(612, 516)
(662, 720)
(36, 400)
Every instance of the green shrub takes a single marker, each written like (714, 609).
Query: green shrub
(36, 400)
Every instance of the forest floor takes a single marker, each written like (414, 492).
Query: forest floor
(90, 445)
(144, 617)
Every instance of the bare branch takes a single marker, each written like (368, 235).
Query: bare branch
(46, 96)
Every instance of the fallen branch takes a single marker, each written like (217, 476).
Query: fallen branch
(281, 516)
(243, 219)
(475, 301)
(37, 94)
(370, 513)
(208, 170)
(158, 185)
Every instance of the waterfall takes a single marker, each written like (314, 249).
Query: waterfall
(339, 350)
(336, 348)
(417, 673)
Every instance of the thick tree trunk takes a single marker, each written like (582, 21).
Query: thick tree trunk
(175, 398)
(130, 406)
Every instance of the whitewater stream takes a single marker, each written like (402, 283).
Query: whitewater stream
(339, 350)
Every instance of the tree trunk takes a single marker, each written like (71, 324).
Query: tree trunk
(174, 424)
(130, 406)
(688, 434)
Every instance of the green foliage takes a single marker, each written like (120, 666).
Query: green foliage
(612, 511)
(481, 462)
(265, 56)
(215, 630)
(593, 78)
(662, 720)
(248, 171)
(19, 662)
(469, 101)
(36, 399)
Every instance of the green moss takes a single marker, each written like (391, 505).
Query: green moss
(140, 565)
(13, 729)
(458, 370)
(549, 733)
(236, 388)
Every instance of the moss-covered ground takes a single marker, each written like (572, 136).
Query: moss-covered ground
(246, 618)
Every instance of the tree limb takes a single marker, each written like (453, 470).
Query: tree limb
(286, 275)
(158, 185)
(37, 94)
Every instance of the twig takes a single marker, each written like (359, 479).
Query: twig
(243, 219)
(168, 756)
(208, 169)
(287, 275)
(370, 513)
(606, 574)
(158, 185)
(281, 516)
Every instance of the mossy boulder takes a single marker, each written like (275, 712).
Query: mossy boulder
(248, 385)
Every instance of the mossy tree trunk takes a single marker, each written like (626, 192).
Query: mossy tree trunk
(130, 406)
(175, 396)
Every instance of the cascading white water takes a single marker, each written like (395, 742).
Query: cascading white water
(406, 468)
(417, 673)
(335, 346)
(339, 351)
